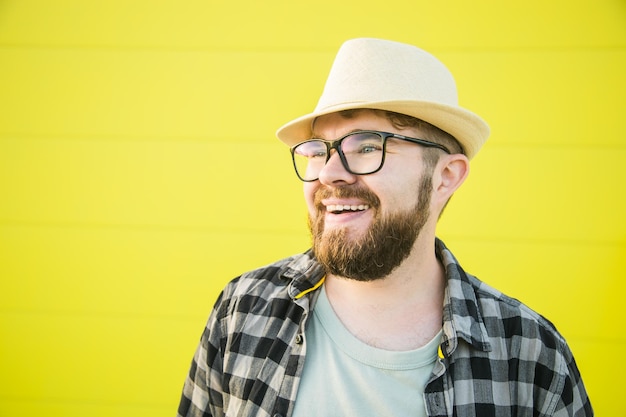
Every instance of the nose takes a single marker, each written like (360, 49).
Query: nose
(334, 172)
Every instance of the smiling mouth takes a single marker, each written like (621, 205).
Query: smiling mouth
(339, 208)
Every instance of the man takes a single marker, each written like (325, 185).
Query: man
(379, 319)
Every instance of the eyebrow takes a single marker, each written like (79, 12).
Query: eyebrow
(314, 136)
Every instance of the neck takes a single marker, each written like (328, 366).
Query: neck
(398, 312)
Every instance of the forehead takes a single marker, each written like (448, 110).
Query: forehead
(334, 125)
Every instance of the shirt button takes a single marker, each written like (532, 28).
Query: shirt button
(298, 341)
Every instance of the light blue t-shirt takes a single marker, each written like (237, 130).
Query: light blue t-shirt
(343, 376)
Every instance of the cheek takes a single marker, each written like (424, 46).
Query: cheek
(397, 195)
(309, 196)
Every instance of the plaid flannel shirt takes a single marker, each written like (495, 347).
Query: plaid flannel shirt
(497, 356)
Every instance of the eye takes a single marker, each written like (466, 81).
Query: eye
(369, 148)
(311, 150)
(362, 143)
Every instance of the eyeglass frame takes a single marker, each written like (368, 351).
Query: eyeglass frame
(336, 144)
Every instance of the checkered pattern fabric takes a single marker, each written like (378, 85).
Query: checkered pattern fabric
(500, 358)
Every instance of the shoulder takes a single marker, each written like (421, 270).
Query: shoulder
(506, 317)
(493, 334)
(488, 318)
(525, 339)
(275, 283)
(534, 351)
(264, 282)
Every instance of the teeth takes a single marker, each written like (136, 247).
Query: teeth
(340, 207)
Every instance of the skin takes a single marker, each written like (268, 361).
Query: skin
(403, 310)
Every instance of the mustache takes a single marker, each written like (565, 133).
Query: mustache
(349, 191)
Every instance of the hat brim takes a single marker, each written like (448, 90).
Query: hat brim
(467, 128)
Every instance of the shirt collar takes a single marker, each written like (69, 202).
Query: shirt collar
(461, 311)
(462, 317)
(305, 274)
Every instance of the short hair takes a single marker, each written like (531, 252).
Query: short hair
(430, 132)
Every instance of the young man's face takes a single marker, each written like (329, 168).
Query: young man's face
(363, 226)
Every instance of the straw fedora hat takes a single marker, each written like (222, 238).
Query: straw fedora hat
(386, 75)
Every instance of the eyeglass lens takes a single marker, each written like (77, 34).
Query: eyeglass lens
(363, 153)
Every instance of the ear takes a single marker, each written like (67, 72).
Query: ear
(450, 173)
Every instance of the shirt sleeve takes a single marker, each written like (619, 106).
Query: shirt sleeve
(573, 400)
(202, 392)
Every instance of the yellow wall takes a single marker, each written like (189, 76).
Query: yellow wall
(139, 172)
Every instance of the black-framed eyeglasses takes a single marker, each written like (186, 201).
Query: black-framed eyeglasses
(361, 153)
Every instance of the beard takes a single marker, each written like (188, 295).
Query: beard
(382, 248)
